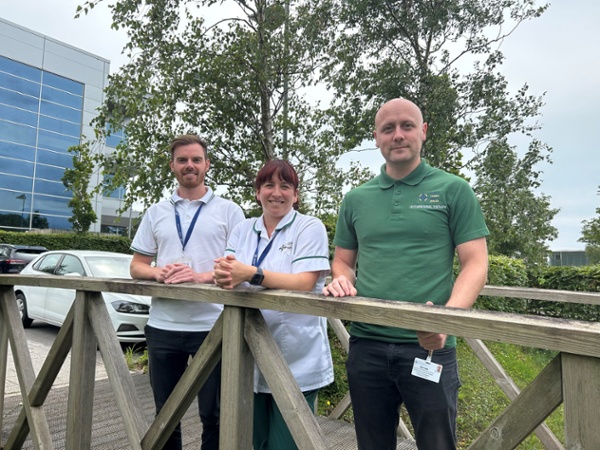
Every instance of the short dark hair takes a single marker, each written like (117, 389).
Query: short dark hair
(187, 139)
(280, 168)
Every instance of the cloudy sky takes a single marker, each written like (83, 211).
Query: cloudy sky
(557, 54)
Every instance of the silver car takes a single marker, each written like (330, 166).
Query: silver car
(128, 313)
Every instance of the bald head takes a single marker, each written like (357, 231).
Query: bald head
(399, 135)
(396, 105)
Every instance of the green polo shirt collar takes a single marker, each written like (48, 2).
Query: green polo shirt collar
(412, 179)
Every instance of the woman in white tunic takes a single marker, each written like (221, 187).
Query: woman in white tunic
(282, 249)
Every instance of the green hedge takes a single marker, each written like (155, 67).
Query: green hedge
(505, 271)
(69, 241)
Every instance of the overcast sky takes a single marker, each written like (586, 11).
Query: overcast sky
(558, 54)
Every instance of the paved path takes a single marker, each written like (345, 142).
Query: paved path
(39, 339)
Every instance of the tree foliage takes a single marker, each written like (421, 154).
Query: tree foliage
(77, 180)
(518, 218)
(238, 81)
(241, 81)
(421, 51)
(445, 56)
(590, 235)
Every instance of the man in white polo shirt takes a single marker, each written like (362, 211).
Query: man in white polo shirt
(183, 235)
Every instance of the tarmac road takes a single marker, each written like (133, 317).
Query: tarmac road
(40, 337)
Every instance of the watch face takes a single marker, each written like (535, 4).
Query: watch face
(258, 277)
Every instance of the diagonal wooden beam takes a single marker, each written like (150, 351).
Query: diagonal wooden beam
(510, 389)
(36, 417)
(43, 383)
(293, 406)
(118, 373)
(187, 389)
(536, 402)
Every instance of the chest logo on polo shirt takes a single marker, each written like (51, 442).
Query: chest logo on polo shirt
(286, 248)
(428, 200)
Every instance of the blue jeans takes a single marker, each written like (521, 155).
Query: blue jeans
(380, 380)
(168, 353)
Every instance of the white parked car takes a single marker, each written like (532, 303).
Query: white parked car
(128, 313)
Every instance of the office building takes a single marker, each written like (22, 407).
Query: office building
(49, 93)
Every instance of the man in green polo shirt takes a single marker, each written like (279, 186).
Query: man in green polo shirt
(403, 228)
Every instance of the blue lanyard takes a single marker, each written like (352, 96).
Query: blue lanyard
(256, 260)
(190, 229)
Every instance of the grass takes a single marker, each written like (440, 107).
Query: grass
(136, 357)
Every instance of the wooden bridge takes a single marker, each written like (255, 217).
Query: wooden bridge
(240, 338)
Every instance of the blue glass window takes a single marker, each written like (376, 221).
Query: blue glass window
(61, 97)
(16, 183)
(18, 115)
(63, 83)
(55, 222)
(16, 167)
(52, 188)
(44, 204)
(41, 116)
(19, 100)
(17, 133)
(60, 126)
(49, 172)
(15, 201)
(19, 84)
(22, 70)
(55, 158)
(58, 142)
(60, 112)
(115, 138)
(13, 150)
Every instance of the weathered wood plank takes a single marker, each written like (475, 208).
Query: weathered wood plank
(291, 402)
(576, 337)
(581, 388)
(237, 383)
(552, 295)
(526, 412)
(43, 383)
(340, 331)
(3, 363)
(116, 368)
(36, 417)
(511, 390)
(83, 376)
(187, 389)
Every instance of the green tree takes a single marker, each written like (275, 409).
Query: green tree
(590, 235)
(421, 50)
(239, 82)
(77, 181)
(518, 218)
(444, 55)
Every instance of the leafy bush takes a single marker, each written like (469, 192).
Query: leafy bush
(69, 241)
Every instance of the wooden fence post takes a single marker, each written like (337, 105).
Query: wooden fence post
(83, 377)
(581, 397)
(237, 383)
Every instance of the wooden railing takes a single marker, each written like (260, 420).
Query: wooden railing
(240, 337)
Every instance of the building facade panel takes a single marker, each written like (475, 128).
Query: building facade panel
(49, 93)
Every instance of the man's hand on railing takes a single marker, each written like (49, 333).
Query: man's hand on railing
(340, 287)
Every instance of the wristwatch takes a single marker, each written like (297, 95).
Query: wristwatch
(258, 277)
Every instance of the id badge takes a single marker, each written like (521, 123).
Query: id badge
(424, 368)
(186, 260)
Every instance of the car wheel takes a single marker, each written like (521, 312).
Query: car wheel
(22, 304)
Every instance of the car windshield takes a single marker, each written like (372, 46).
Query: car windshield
(109, 266)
